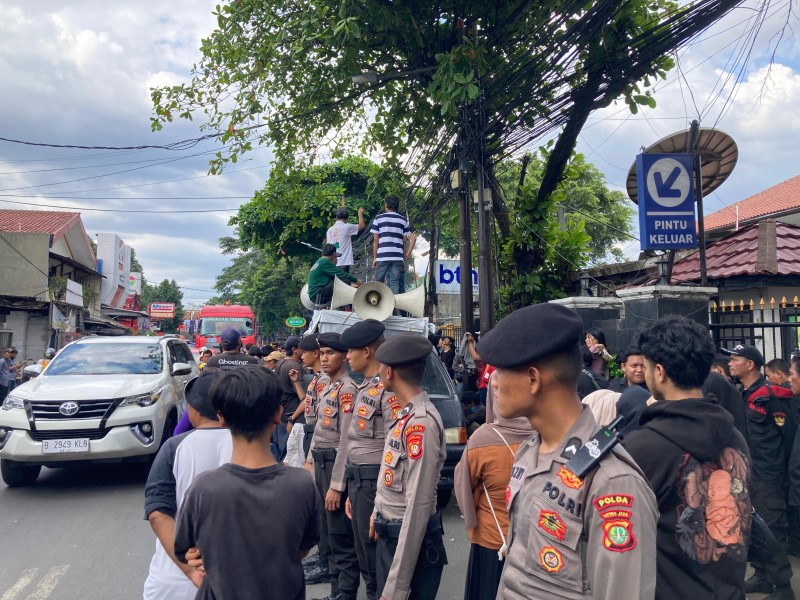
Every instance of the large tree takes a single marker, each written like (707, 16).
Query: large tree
(496, 74)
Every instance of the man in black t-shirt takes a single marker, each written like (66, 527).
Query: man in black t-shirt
(252, 519)
(231, 356)
(289, 399)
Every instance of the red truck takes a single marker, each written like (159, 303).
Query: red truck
(215, 319)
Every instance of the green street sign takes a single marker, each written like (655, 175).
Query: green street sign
(295, 322)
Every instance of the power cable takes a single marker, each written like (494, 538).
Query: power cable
(121, 210)
(22, 256)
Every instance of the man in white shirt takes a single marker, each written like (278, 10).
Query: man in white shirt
(341, 235)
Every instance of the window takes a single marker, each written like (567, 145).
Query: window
(108, 359)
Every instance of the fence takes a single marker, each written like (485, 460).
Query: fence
(772, 327)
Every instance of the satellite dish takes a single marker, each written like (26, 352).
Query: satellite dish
(718, 156)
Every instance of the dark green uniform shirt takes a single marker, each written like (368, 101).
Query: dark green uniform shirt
(322, 272)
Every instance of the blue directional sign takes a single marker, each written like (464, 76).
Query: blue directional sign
(666, 201)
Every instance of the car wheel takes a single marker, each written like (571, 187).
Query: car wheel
(16, 474)
(443, 497)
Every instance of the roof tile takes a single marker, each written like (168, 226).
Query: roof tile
(779, 198)
(37, 221)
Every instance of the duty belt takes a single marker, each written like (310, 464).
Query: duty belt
(323, 455)
(390, 529)
(359, 473)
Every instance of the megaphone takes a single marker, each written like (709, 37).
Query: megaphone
(412, 302)
(373, 300)
(342, 294)
(305, 299)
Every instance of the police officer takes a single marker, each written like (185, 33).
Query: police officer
(317, 564)
(569, 537)
(329, 452)
(405, 522)
(374, 410)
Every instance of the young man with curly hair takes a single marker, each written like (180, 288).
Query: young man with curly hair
(698, 465)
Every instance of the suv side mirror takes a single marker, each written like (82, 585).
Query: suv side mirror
(181, 368)
(32, 371)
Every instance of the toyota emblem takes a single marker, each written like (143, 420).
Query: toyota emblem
(69, 408)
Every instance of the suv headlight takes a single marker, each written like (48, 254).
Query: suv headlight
(147, 399)
(11, 402)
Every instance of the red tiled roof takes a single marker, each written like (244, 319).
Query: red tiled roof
(779, 198)
(38, 221)
(738, 254)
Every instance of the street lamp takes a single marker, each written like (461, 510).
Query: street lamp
(584, 279)
(663, 269)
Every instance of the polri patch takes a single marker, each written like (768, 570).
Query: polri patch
(551, 559)
(551, 523)
(414, 445)
(570, 479)
(362, 411)
(416, 428)
(362, 424)
(388, 458)
(327, 422)
(328, 411)
(388, 477)
(373, 392)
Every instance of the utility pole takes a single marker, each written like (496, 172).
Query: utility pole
(485, 275)
(694, 139)
(465, 255)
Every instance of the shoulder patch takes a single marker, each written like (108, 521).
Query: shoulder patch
(347, 403)
(414, 445)
(618, 535)
(609, 500)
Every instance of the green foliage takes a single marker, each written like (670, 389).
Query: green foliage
(279, 72)
(166, 291)
(298, 205)
(584, 196)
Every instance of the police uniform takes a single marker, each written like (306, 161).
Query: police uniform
(315, 386)
(570, 537)
(410, 549)
(329, 452)
(374, 411)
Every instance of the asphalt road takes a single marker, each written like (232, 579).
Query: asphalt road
(79, 534)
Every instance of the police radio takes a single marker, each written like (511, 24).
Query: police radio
(595, 449)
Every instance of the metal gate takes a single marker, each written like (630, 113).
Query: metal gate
(771, 327)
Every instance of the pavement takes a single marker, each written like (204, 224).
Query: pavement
(80, 533)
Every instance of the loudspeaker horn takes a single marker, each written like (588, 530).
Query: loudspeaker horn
(373, 300)
(342, 294)
(412, 302)
(305, 299)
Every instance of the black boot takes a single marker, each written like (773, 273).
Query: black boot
(758, 584)
(782, 592)
(339, 596)
(318, 574)
(311, 561)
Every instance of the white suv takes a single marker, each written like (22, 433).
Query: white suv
(100, 399)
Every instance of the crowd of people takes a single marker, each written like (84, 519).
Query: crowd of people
(706, 479)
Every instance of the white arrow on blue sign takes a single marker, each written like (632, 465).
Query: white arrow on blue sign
(666, 201)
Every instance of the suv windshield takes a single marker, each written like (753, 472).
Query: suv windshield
(216, 325)
(107, 359)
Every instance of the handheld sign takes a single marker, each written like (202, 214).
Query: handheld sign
(666, 201)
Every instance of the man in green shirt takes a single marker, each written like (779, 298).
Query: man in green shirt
(322, 274)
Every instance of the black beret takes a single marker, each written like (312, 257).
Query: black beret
(530, 334)
(404, 348)
(331, 340)
(308, 342)
(363, 334)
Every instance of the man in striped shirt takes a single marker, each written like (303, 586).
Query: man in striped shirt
(390, 231)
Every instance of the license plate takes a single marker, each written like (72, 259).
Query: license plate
(61, 446)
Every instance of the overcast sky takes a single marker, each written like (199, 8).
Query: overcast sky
(81, 74)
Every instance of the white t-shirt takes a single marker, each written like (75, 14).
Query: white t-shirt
(341, 235)
(199, 451)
